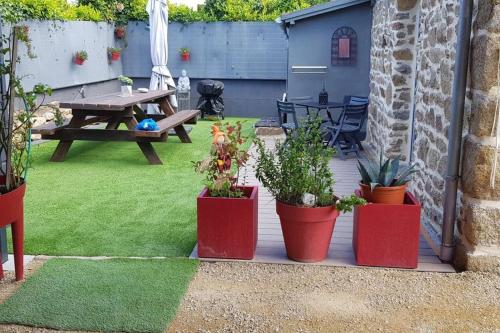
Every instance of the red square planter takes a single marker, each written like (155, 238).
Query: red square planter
(387, 235)
(227, 227)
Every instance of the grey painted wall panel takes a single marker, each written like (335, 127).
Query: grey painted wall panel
(55, 43)
(226, 50)
(310, 45)
(244, 98)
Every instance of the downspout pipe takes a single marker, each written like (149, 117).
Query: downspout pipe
(456, 130)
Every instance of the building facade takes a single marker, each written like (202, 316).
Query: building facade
(412, 72)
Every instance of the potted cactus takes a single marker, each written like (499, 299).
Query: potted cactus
(80, 57)
(114, 53)
(126, 85)
(185, 54)
(227, 212)
(386, 232)
(384, 182)
(298, 175)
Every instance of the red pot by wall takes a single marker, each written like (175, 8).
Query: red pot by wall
(387, 235)
(307, 231)
(185, 56)
(115, 56)
(120, 32)
(12, 212)
(227, 227)
(384, 195)
(79, 61)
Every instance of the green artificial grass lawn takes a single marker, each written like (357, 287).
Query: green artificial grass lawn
(123, 295)
(106, 200)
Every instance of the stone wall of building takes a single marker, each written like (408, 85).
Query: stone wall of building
(435, 54)
(413, 59)
(479, 225)
(392, 58)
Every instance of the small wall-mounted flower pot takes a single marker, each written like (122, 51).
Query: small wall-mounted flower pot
(185, 56)
(115, 56)
(79, 61)
(120, 32)
(227, 227)
(386, 235)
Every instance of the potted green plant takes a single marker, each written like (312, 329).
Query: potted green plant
(227, 212)
(385, 182)
(126, 85)
(80, 57)
(15, 126)
(386, 232)
(185, 54)
(114, 53)
(298, 175)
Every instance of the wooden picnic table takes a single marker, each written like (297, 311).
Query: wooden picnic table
(114, 109)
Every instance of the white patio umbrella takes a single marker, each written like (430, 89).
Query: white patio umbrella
(161, 79)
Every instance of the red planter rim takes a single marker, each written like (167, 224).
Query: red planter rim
(304, 213)
(409, 200)
(250, 191)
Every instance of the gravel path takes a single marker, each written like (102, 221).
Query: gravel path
(242, 297)
(239, 297)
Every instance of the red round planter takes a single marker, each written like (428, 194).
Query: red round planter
(185, 56)
(12, 212)
(307, 231)
(79, 61)
(115, 56)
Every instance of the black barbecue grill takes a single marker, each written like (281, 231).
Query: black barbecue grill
(211, 102)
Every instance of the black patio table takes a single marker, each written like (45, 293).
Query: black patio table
(320, 107)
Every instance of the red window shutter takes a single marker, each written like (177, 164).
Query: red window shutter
(344, 48)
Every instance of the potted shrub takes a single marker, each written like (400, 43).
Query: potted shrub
(114, 53)
(15, 129)
(185, 54)
(80, 57)
(298, 175)
(126, 83)
(386, 182)
(227, 212)
(386, 232)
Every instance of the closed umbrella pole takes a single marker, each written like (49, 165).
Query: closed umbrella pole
(161, 78)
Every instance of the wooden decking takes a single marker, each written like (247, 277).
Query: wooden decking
(271, 247)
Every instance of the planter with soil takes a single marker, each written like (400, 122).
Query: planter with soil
(227, 227)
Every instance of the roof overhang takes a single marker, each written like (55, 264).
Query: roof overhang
(320, 9)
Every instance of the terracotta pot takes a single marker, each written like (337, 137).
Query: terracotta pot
(120, 32)
(227, 227)
(394, 195)
(12, 212)
(185, 56)
(115, 56)
(79, 61)
(307, 231)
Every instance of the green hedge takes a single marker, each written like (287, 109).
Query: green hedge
(134, 10)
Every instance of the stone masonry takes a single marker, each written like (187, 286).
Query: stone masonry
(412, 60)
(479, 225)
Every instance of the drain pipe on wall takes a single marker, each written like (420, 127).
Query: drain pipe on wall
(456, 130)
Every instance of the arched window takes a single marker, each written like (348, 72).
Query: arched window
(344, 47)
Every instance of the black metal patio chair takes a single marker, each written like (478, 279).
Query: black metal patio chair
(286, 110)
(344, 136)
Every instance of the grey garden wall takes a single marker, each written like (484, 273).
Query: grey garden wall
(55, 44)
(249, 57)
(310, 45)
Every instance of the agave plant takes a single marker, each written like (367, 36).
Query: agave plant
(388, 173)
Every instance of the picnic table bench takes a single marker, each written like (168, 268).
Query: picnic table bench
(114, 110)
